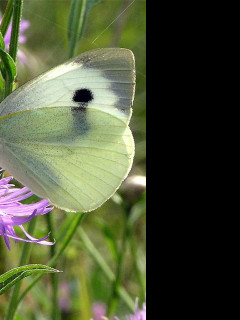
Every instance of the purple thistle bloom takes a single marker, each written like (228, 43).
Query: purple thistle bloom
(14, 213)
(65, 299)
(99, 310)
(102, 311)
(22, 38)
(139, 314)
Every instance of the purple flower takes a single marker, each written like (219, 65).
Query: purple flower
(139, 314)
(65, 299)
(22, 38)
(14, 213)
(100, 311)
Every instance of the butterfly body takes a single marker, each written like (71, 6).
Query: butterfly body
(65, 134)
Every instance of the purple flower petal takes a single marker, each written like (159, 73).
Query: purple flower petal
(14, 213)
(138, 315)
(99, 310)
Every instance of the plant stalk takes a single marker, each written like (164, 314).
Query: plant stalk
(105, 268)
(13, 47)
(7, 18)
(54, 277)
(72, 229)
(117, 284)
(12, 305)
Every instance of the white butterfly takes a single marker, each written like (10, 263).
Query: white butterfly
(65, 134)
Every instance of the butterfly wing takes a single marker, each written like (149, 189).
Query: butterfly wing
(65, 134)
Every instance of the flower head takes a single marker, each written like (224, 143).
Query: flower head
(65, 299)
(139, 314)
(102, 311)
(99, 310)
(14, 213)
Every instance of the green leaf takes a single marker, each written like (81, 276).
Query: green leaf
(1, 89)
(2, 43)
(93, 251)
(8, 279)
(137, 211)
(6, 19)
(2, 46)
(77, 19)
(110, 239)
(10, 69)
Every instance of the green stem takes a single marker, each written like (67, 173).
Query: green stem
(136, 265)
(8, 86)
(13, 47)
(12, 305)
(54, 277)
(117, 284)
(76, 25)
(3, 28)
(2, 259)
(17, 15)
(6, 18)
(105, 268)
(72, 229)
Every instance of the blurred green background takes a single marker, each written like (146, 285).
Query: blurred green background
(114, 23)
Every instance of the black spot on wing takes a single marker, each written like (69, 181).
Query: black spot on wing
(118, 67)
(82, 97)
